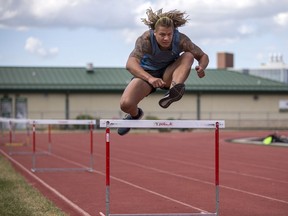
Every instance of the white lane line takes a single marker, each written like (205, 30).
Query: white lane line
(199, 180)
(184, 177)
(254, 194)
(212, 168)
(125, 182)
(158, 194)
(53, 190)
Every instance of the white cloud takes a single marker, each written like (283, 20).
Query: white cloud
(51, 7)
(246, 29)
(35, 46)
(5, 15)
(212, 23)
(281, 19)
(22, 28)
(70, 13)
(130, 36)
(115, 14)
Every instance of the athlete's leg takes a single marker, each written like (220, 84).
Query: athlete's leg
(175, 76)
(179, 70)
(136, 90)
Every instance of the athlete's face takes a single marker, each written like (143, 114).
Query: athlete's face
(164, 36)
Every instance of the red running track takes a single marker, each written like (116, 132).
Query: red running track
(160, 173)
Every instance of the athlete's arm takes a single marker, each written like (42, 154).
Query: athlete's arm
(142, 46)
(133, 62)
(203, 60)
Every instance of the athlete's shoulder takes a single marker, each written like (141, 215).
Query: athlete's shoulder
(187, 45)
(185, 42)
(184, 38)
(144, 42)
(142, 45)
(145, 36)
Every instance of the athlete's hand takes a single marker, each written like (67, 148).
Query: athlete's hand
(200, 71)
(156, 82)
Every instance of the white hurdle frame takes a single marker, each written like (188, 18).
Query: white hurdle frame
(196, 124)
(91, 123)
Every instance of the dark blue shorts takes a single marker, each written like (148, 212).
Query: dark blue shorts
(157, 74)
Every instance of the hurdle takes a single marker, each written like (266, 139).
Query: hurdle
(50, 122)
(10, 123)
(196, 124)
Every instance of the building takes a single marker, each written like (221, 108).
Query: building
(275, 69)
(242, 100)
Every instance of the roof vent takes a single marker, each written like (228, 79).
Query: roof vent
(276, 57)
(89, 68)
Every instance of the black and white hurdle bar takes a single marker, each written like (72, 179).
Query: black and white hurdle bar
(196, 124)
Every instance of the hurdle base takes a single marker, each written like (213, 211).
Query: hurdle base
(15, 144)
(29, 153)
(61, 170)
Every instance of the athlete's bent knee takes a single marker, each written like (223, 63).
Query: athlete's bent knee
(187, 56)
(126, 105)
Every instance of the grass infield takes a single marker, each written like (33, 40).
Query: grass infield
(17, 197)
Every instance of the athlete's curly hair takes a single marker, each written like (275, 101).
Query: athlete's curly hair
(172, 18)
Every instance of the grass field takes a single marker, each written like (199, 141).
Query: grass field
(17, 197)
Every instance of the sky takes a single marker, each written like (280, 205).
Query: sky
(72, 33)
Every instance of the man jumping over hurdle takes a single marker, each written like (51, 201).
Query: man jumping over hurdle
(162, 58)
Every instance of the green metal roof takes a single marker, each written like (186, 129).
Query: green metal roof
(232, 81)
(115, 79)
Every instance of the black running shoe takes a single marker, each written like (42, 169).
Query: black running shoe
(123, 131)
(174, 94)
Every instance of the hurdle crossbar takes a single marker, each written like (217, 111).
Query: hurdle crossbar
(61, 122)
(7, 120)
(34, 122)
(49, 121)
(161, 123)
(111, 123)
